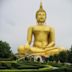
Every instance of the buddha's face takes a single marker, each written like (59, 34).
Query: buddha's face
(41, 17)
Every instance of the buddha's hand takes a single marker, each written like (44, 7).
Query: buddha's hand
(27, 49)
(52, 44)
(27, 46)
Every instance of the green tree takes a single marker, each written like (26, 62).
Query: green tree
(70, 55)
(5, 51)
(63, 56)
(56, 57)
(51, 58)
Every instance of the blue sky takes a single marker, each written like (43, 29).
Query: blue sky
(17, 15)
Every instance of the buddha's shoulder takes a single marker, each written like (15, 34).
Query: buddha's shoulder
(49, 27)
(30, 27)
(46, 27)
(37, 26)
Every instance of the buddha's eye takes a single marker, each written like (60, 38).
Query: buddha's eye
(43, 14)
(39, 14)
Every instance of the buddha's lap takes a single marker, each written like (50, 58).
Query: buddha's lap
(36, 49)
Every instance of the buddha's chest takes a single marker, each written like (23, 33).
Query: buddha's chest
(41, 34)
(41, 31)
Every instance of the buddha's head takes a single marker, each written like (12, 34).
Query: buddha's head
(41, 14)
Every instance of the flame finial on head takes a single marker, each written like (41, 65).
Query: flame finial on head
(41, 8)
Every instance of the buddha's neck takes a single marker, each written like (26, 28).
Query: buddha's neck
(41, 23)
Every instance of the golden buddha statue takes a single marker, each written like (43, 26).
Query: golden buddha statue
(44, 38)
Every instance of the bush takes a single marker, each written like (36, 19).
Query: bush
(7, 64)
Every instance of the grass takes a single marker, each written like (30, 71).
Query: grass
(36, 67)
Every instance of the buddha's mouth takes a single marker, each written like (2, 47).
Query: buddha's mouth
(42, 18)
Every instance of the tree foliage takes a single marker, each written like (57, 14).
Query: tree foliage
(63, 56)
(70, 55)
(5, 51)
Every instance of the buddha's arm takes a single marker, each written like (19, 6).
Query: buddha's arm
(29, 37)
(51, 38)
